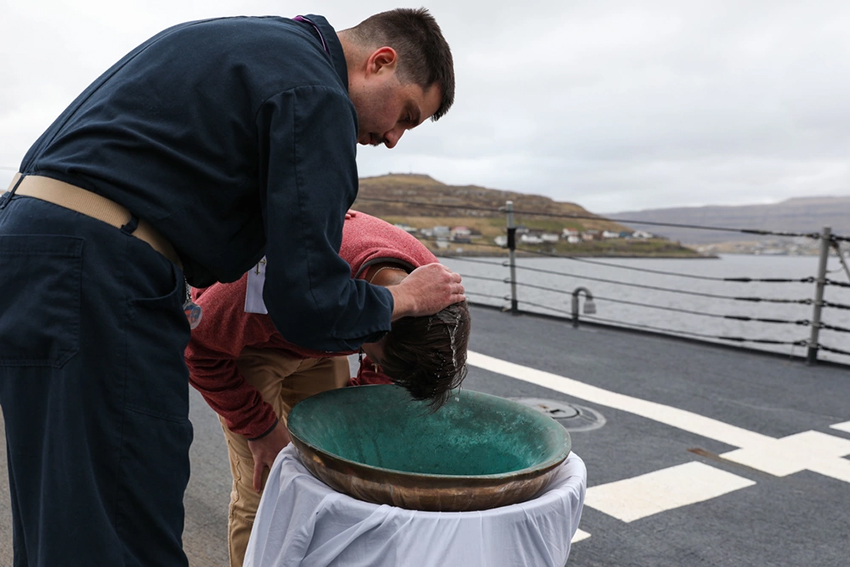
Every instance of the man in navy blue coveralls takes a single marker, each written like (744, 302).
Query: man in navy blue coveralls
(221, 141)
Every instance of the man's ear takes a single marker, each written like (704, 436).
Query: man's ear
(382, 60)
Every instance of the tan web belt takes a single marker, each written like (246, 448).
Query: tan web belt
(92, 205)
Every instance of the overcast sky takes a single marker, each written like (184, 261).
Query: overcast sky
(614, 105)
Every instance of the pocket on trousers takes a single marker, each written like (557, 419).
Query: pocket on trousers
(40, 289)
(158, 383)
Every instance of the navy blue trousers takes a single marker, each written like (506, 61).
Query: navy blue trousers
(94, 391)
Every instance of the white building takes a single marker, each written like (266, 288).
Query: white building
(406, 227)
(530, 239)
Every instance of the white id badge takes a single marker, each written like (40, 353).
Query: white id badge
(254, 295)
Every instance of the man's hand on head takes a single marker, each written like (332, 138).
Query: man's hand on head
(425, 291)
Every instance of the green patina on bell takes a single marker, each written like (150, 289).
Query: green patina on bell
(473, 434)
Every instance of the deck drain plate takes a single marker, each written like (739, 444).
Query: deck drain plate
(572, 416)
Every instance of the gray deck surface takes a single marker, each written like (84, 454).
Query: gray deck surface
(801, 518)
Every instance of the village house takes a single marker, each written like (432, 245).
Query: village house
(529, 238)
(461, 234)
(406, 228)
(441, 233)
(571, 235)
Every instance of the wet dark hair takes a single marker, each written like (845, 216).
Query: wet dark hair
(427, 355)
(424, 55)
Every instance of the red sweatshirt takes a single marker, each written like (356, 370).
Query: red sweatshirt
(226, 329)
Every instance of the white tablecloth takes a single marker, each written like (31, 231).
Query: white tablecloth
(301, 521)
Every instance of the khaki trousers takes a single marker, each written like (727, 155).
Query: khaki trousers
(282, 382)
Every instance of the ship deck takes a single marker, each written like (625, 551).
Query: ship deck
(697, 454)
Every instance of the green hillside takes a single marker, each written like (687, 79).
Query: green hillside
(422, 203)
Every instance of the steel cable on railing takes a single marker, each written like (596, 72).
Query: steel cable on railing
(801, 342)
(656, 288)
(678, 274)
(661, 272)
(500, 263)
(504, 263)
(835, 350)
(550, 308)
(488, 295)
(834, 328)
(800, 322)
(806, 280)
(675, 331)
(483, 278)
(537, 252)
(835, 305)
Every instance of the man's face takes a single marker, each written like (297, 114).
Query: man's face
(387, 108)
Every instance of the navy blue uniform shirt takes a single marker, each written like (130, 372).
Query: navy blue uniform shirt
(235, 138)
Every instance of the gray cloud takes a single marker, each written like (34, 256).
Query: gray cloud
(614, 105)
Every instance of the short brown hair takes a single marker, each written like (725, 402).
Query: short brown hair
(427, 355)
(424, 55)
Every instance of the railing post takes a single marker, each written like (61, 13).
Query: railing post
(509, 208)
(812, 354)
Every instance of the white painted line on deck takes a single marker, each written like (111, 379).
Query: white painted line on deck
(674, 417)
(845, 427)
(579, 535)
(635, 498)
(809, 450)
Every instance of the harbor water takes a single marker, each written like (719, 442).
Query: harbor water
(681, 301)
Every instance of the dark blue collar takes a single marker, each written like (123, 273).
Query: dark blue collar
(330, 43)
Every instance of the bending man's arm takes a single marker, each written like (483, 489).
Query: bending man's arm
(311, 180)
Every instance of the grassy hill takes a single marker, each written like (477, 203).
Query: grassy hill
(422, 202)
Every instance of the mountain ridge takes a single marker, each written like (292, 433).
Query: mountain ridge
(803, 215)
